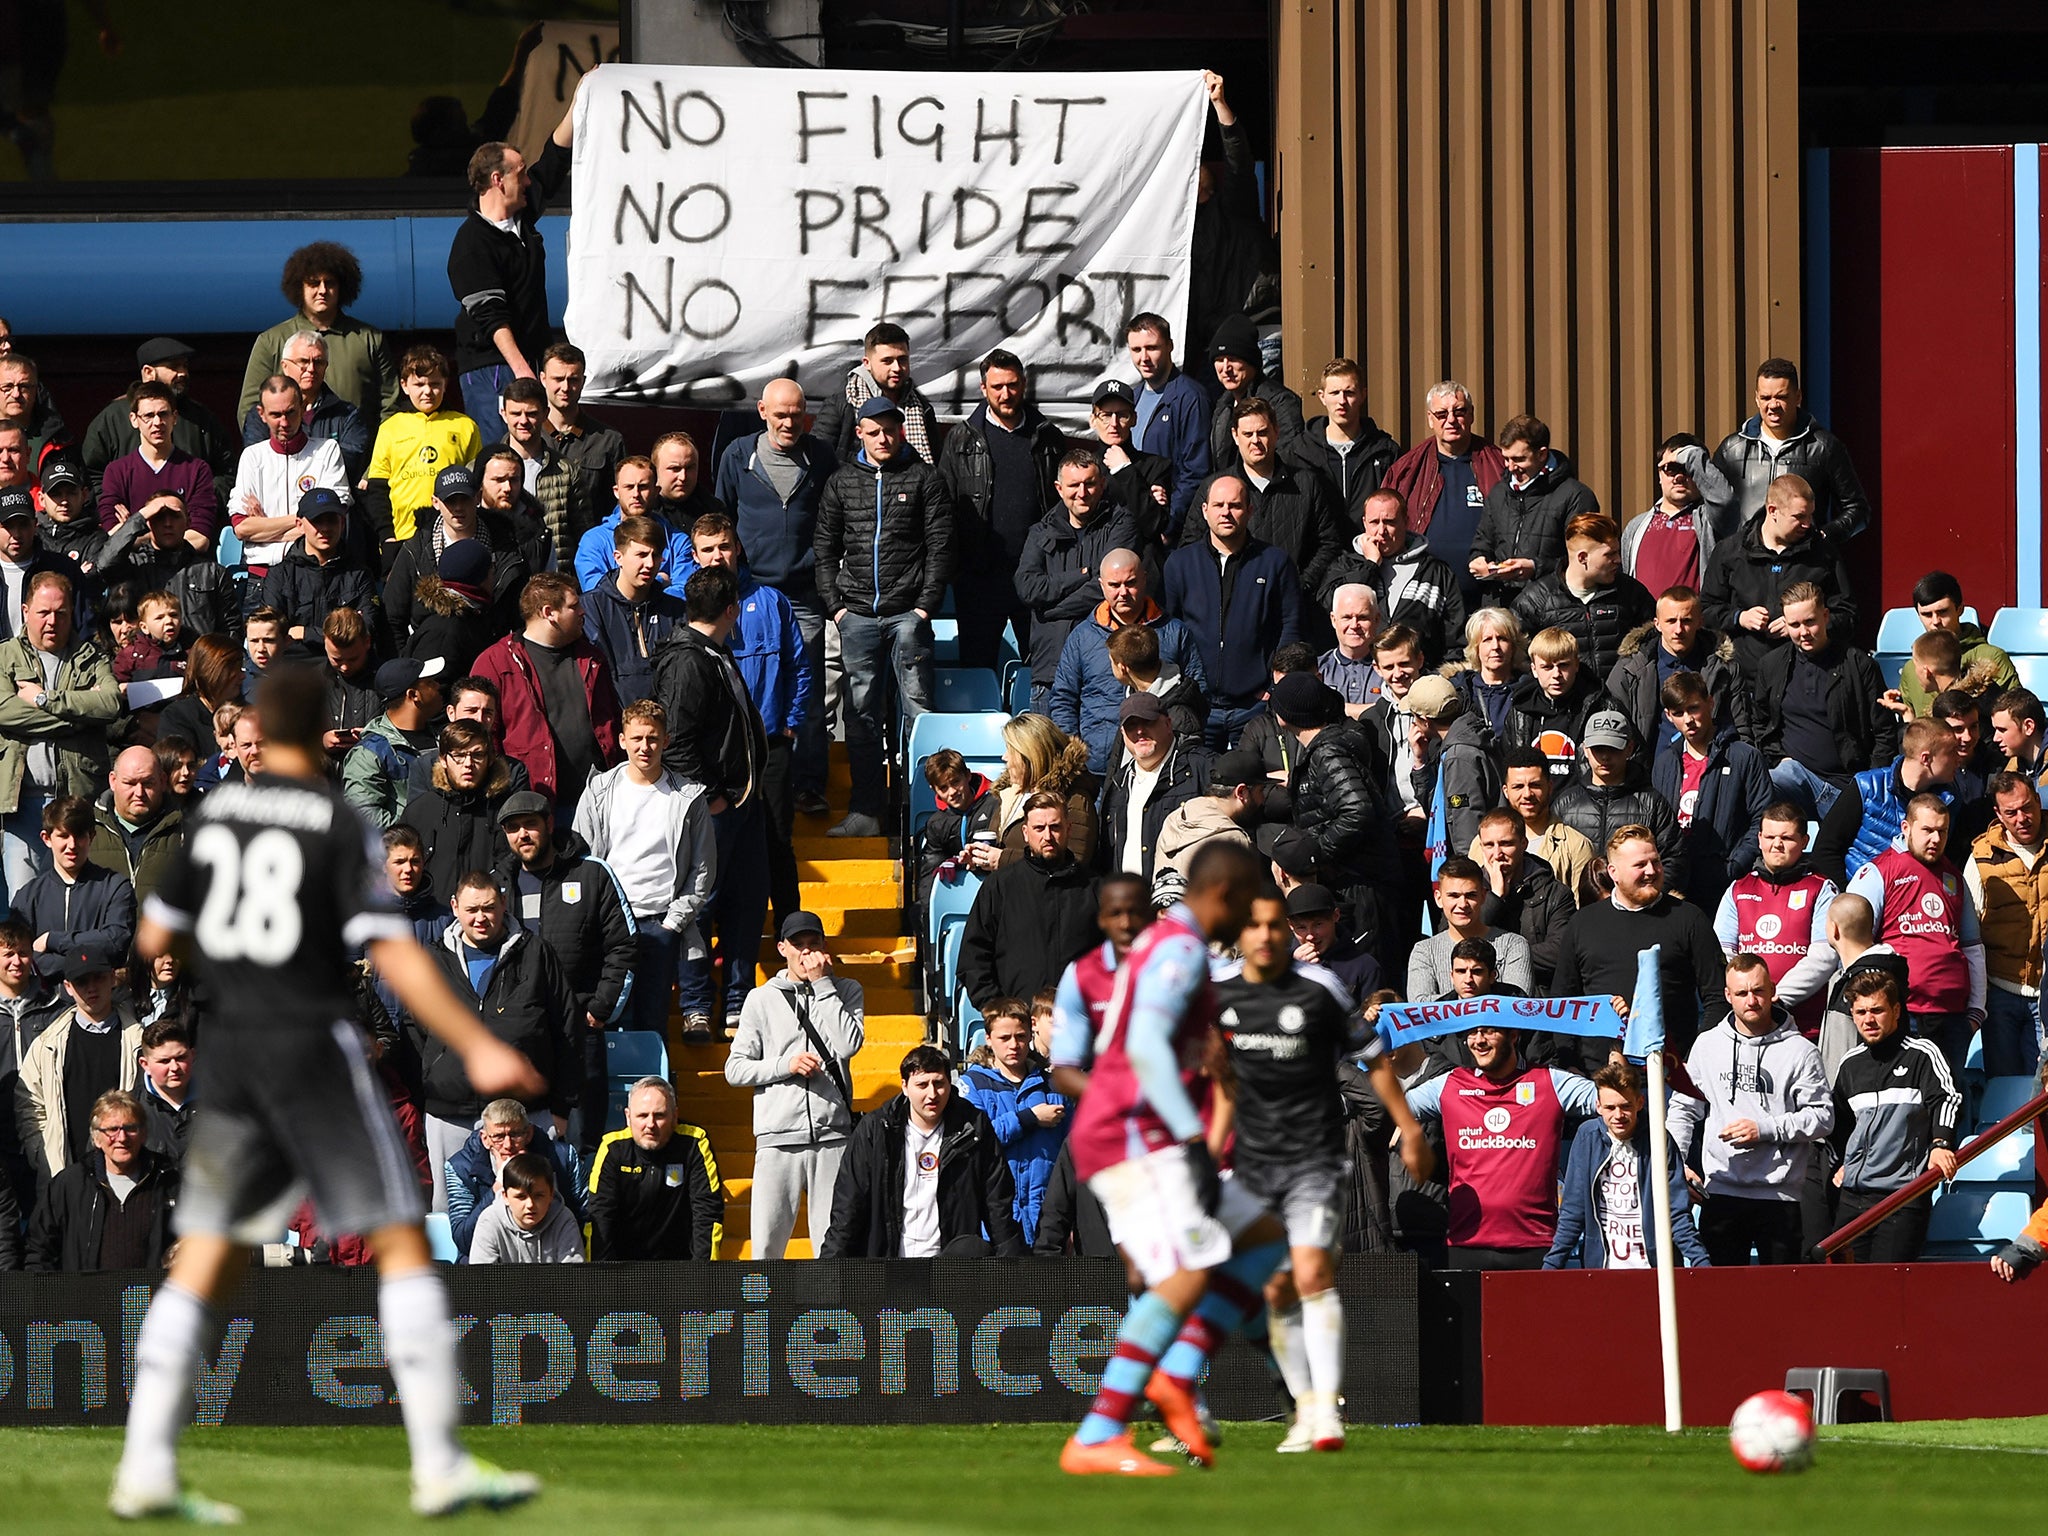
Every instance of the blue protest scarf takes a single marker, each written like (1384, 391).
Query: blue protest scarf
(1593, 1017)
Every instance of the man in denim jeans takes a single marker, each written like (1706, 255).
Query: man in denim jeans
(885, 553)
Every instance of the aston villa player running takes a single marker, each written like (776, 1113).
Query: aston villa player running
(1203, 1247)
(276, 885)
(1288, 1027)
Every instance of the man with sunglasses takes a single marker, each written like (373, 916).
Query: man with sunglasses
(1446, 476)
(1668, 545)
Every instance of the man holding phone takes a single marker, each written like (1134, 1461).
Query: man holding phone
(352, 701)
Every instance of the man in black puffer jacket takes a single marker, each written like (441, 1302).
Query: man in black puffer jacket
(1240, 374)
(1521, 532)
(885, 554)
(1340, 802)
(1589, 595)
(1347, 445)
(1742, 588)
(318, 574)
(1610, 792)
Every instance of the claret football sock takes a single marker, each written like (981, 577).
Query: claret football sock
(1236, 1292)
(1147, 1330)
(419, 1345)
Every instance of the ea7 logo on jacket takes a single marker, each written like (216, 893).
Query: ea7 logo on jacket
(902, 496)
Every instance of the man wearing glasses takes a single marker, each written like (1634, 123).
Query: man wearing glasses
(1446, 476)
(112, 1208)
(470, 1180)
(1668, 545)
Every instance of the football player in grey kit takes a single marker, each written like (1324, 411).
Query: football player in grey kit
(1288, 1026)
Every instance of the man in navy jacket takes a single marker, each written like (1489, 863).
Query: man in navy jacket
(772, 482)
(1173, 414)
(1242, 599)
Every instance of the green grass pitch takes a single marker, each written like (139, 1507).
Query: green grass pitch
(1973, 1475)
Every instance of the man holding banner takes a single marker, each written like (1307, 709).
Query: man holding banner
(1503, 1120)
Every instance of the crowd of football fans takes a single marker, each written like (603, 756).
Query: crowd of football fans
(1492, 738)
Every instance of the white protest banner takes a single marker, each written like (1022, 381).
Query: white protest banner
(732, 225)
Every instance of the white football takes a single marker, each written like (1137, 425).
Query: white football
(1772, 1432)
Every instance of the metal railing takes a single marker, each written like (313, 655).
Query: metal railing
(1837, 1242)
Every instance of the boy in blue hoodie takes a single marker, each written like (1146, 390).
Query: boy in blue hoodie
(1007, 1082)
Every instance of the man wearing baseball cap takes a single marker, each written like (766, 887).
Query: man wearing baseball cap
(166, 361)
(93, 1046)
(1141, 483)
(68, 524)
(1612, 790)
(797, 1039)
(885, 554)
(22, 554)
(1227, 811)
(318, 573)
(376, 774)
(1456, 762)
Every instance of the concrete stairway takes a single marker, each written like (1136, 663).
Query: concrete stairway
(855, 887)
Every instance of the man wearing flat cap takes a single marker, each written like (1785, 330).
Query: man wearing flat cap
(165, 361)
(1156, 775)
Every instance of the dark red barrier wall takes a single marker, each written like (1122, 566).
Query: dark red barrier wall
(1580, 1347)
(1922, 331)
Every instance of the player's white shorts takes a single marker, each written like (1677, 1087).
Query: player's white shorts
(1308, 1198)
(1156, 1220)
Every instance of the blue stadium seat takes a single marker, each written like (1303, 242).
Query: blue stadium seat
(946, 641)
(965, 690)
(440, 1238)
(2033, 671)
(1975, 1220)
(2020, 631)
(968, 1030)
(1020, 691)
(973, 736)
(631, 1054)
(1898, 629)
(227, 545)
(2010, 1162)
(947, 906)
(2001, 1096)
(1893, 665)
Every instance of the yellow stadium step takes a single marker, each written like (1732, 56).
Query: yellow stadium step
(822, 896)
(855, 886)
(810, 844)
(864, 928)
